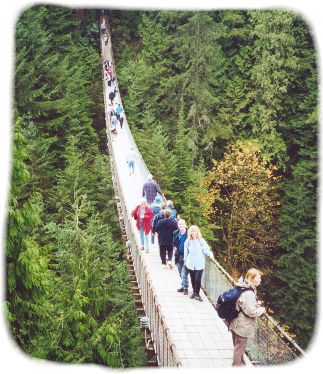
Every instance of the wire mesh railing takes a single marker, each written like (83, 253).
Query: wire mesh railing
(164, 347)
(270, 345)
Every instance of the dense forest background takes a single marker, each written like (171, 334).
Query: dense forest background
(223, 105)
(68, 289)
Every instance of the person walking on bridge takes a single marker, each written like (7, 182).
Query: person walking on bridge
(158, 217)
(118, 111)
(131, 161)
(165, 228)
(143, 216)
(195, 250)
(150, 189)
(112, 95)
(179, 238)
(156, 208)
(170, 206)
(243, 327)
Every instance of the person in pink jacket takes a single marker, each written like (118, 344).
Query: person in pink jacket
(143, 216)
(243, 327)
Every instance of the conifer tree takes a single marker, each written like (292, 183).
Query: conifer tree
(197, 208)
(274, 65)
(200, 60)
(68, 289)
(28, 279)
(160, 160)
(182, 168)
(295, 275)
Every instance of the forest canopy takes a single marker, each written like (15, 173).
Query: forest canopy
(224, 109)
(230, 99)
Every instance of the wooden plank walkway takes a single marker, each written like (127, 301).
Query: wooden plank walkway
(201, 337)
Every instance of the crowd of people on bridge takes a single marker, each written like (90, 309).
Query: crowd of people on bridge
(156, 218)
(115, 110)
(158, 223)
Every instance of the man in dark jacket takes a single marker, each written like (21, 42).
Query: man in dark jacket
(179, 238)
(112, 95)
(165, 228)
(158, 217)
(150, 189)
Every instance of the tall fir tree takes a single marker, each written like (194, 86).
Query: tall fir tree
(29, 281)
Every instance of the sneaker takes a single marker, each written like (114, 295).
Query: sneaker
(198, 297)
(185, 291)
(170, 265)
(164, 266)
(180, 289)
(192, 296)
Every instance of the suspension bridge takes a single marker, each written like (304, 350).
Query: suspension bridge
(179, 331)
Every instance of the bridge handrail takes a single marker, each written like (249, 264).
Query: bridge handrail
(271, 345)
(268, 346)
(163, 344)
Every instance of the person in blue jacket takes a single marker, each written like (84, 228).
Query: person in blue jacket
(179, 238)
(118, 111)
(158, 217)
(170, 206)
(195, 250)
(156, 208)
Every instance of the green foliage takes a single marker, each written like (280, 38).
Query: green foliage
(68, 290)
(91, 312)
(160, 159)
(193, 84)
(296, 266)
(200, 61)
(182, 169)
(28, 278)
(197, 206)
(228, 76)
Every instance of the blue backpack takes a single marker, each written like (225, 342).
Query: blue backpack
(226, 304)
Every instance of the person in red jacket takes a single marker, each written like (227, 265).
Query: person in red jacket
(143, 216)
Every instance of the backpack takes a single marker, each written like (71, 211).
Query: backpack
(226, 304)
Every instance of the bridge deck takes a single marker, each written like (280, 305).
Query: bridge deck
(200, 336)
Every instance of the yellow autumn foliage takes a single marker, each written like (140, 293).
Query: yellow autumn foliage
(243, 191)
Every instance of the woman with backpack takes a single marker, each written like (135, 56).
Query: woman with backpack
(195, 250)
(243, 326)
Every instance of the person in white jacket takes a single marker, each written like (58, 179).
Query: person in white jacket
(243, 327)
(195, 250)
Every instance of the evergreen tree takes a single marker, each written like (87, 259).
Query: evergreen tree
(159, 158)
(275, 62)
(182, 167)
(197, 208)
(91, 312)
(28, 279)
(200, 60)
(296, 266)
(68, 295)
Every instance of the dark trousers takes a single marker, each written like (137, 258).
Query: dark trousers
(240, 345)
(196, 276)
(163, 249)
